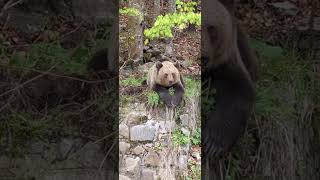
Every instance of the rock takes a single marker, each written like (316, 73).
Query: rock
(152, 159)
(183, 162)
(166, 126)
(138, 150)
(123, 147)
(148, 146)
(185, 131)
(143, 133)
(148, 174)
(131, 164)
(136, 117)
(184, 120)
(64, 147)
(123, 131)
(122, 177)
(286, 5)
(196, 155)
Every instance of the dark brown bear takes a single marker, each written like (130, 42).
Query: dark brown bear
(231, 64)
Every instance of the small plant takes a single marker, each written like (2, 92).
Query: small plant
(195, 171)
(153, 99)
(186, 6)
(192, 88)
(196, 138)
(159, 147)
(130, 11)
(179, 138)
(132, 81)
(164, 24)
(171, 91)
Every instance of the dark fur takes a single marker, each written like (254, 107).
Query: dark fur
(235, 96)
(170, 101)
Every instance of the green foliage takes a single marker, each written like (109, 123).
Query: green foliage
(179, 138)
(43, 56)
(153, 99)
(130, 11)
(195, 171)
(183, 6)
(132, 81)
(124, 99)
(22, 128)
(164, 24)
(282, 72)
(192, 87)
(171, 91)
(196, 138)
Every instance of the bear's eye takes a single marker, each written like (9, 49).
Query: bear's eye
(173, 75)
(166, 75)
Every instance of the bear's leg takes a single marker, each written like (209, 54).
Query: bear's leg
(164, 94)
(178, 94)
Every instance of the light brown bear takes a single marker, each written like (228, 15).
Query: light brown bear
(164, 75)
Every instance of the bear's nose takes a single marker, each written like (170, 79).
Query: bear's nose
(170, 82)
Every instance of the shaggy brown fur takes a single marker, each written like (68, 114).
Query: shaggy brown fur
(231, 64)
(162, 76)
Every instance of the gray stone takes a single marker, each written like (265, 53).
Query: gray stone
(65, 147)
(185, 131)
(184, 120)
(122, 177)
(123, 147)
(166, 126)
(148, 174)
(183, 162)
(123, 131)
(132, 164)
(148, 146)
(152, 159)
(286, 5)
(138, 150)
(134, 117)
(143, 133)
(196, 155)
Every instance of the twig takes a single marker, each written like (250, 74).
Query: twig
(105, 137)
(105, 157)
(62, 76)
(9, 5)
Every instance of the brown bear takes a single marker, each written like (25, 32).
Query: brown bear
(228, 61)
(164, 75)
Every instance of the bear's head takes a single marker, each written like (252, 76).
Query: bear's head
(168, 73)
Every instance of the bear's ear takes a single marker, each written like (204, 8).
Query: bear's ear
(159, 65)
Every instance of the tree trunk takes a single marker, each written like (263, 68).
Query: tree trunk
(135, 25)
(169, 44)
(156, 9)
